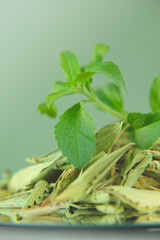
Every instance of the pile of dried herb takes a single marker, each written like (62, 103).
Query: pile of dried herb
(109, 176)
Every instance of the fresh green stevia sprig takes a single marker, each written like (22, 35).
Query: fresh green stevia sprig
(75, 127)
(75, 130)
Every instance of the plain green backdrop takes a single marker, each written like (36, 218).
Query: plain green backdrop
(32, 34)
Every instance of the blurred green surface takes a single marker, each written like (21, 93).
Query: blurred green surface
(32, 34)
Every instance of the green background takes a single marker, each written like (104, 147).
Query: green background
(32, 34)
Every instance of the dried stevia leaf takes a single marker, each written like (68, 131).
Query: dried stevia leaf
(90, 177)
(106, 136)
(10, 214)
(82, 186)
(65, 179)
(93, 220)
(98, 197)
(137, 171)
(154, 166)
(142, 200)
(37, 194)
(46, 157)
(148, 218)
(14, 201)
(153, 170)
(28, 176)
(109, 209)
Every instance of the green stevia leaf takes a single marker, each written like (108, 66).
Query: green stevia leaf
(99, 50)
(37, 194)
(109, 69)
(75, 136)
(59, 85)
(111, 96)
(70, 65)
(146, 136)
(139, 120)
(53, 96)
(83, 77)
(50, 111)
(106, 136)
(142, 200)
(155, 94)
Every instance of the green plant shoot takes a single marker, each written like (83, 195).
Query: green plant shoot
(75, 130)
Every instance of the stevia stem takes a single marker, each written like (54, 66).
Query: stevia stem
(106, 108)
